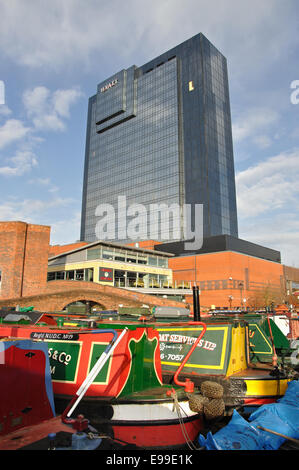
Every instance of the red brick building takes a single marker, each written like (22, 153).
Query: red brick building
(229, 279)
(24, 252)
(229, 273)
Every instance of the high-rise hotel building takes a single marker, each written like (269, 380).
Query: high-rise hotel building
(161, 134)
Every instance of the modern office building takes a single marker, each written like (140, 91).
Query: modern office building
(112, 264)
(161, 134)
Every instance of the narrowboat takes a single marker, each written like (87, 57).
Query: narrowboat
(26, 395)
(28, 418)
(247, 353)
(126, 400)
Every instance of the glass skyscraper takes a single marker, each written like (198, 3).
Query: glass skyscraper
(161, 134)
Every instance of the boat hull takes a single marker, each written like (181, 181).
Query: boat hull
(143, 422)
(26, 395)
(158, 434)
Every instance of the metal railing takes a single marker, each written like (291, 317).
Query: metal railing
(152, 284)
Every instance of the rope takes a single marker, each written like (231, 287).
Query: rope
(92, 434)
(178, 409)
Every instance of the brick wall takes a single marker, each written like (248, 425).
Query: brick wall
(23, 258)
(219, 275)
(291, 273)
(36, 259)
(57, 294)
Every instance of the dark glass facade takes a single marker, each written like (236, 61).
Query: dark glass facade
(161, 134)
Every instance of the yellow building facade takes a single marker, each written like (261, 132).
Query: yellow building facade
(112, 264)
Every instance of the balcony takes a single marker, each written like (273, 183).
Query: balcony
(158, 288)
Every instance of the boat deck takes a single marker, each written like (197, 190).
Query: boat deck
(254, 373)
(25, 436)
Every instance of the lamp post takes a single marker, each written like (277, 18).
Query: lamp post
(230, 297)
(241, 285)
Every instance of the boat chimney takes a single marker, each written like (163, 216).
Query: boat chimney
(196, 304)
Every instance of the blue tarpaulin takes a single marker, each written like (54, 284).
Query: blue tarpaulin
(239, 434)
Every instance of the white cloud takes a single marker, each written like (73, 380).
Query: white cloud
(22, 162)
(262, 141)
(12, 131)
(269, 185)
(4, 110)
(284, 165)
(35, 100)
(279, 232)
(253, 124)
(74, 31)
(66, 231)
(63, 99)
(44, 182)
(33, 210)
(41, 181)
(47, 109)
(267, 196)
(46, 212)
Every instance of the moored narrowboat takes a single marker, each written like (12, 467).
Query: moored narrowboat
(237, 352)
(126, 401)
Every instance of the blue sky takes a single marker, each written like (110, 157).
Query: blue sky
(53, 55)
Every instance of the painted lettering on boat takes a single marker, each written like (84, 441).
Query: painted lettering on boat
(61, 357)
(210, 355)
(54, 336)
(189, 340)
(65, 360)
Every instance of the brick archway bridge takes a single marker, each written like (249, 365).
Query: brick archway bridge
(58, 294)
